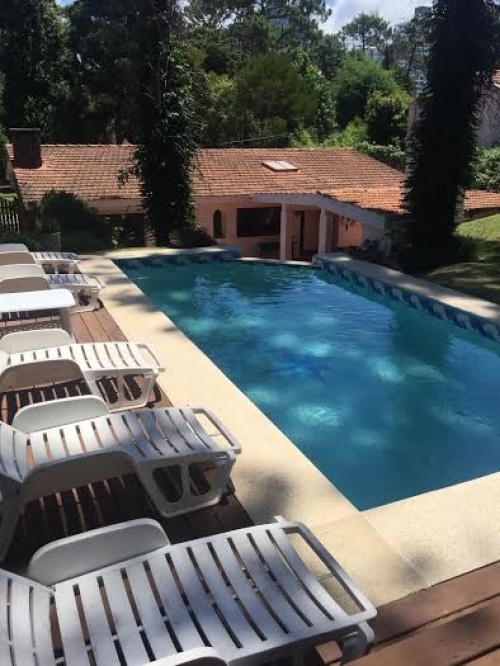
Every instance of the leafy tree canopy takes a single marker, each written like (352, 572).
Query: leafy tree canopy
(357, 79)
(273, 97)
(34, 62)
(367, 30)
(387, 118)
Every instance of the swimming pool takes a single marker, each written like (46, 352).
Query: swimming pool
(386, 401)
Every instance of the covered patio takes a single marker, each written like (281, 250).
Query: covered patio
(318, 223)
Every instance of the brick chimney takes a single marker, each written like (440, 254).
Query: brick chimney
(27, 147)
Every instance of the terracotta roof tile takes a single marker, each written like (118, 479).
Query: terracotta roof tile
(388, 200)
(236, 171)
(477, 200)
(379, 199)
(91, 171)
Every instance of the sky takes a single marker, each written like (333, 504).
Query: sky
(394, 11)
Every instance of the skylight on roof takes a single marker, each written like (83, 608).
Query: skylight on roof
(279, 166)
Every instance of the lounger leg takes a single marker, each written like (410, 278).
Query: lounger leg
(357, 644)
(141, 400)
(65, 316)
(161, 504)
(188, 501)
(9, 509)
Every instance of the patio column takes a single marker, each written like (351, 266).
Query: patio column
(322, 232)
(284, 233)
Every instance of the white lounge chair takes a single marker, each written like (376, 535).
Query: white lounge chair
(32, 277)
(40, 357)
(17, 253)
(56, 446)
(123, 595)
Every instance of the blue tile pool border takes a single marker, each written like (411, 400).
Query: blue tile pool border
(434, 307)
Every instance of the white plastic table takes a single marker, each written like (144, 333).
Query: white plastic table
(37, 301)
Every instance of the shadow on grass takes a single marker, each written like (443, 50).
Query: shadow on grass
(480, 278)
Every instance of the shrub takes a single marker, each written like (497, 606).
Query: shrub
(82, 229)
(350, 136)
(393, 156)
(487, 170)
(387, 117)
(190, 237)
(32, 242)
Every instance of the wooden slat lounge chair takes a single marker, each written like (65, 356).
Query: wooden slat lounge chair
(39, 357)
(17, 253)
(56, 446)
(124, 596)
(32, 277)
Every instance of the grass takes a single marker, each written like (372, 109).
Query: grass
(480, 277)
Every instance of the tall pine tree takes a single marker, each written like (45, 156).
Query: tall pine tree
(166, 144)
(34, 62)
(442, 148)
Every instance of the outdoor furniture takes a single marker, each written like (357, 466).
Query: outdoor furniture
(26, 305)
(17, 253)
(32, 277)
(123, 595)
(42, 357)
(60, 445)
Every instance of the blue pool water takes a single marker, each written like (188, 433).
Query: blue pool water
(386, 401)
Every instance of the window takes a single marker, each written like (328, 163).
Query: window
(218, 225)
(258, 222)
(279, 165)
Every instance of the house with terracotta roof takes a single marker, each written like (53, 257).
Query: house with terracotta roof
(287, 202)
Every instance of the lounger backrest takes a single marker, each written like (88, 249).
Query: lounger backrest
(17, 284)
(21, 271)
(58, 413)
(9, 258)
(13, 247)
(25, 632)
(13, 453)
(23, 341)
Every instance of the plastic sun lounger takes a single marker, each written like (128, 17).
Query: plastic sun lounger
(32, 277)
(60, 445)
(17, 253)
(125, 589)
(21, 310)
(40, 357)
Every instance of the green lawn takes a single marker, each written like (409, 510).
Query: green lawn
(480, 277)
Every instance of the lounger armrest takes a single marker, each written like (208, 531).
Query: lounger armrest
(31, 340)
(91, 551)
(234, 444)
(46, 415)
(367, 609)
(151, 351)
(196, 657)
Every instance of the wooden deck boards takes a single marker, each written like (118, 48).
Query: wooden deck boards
(456, 622)
(109, 501)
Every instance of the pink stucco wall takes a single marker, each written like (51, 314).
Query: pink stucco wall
(205, 209)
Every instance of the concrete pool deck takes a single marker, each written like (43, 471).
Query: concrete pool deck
(390, 551)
